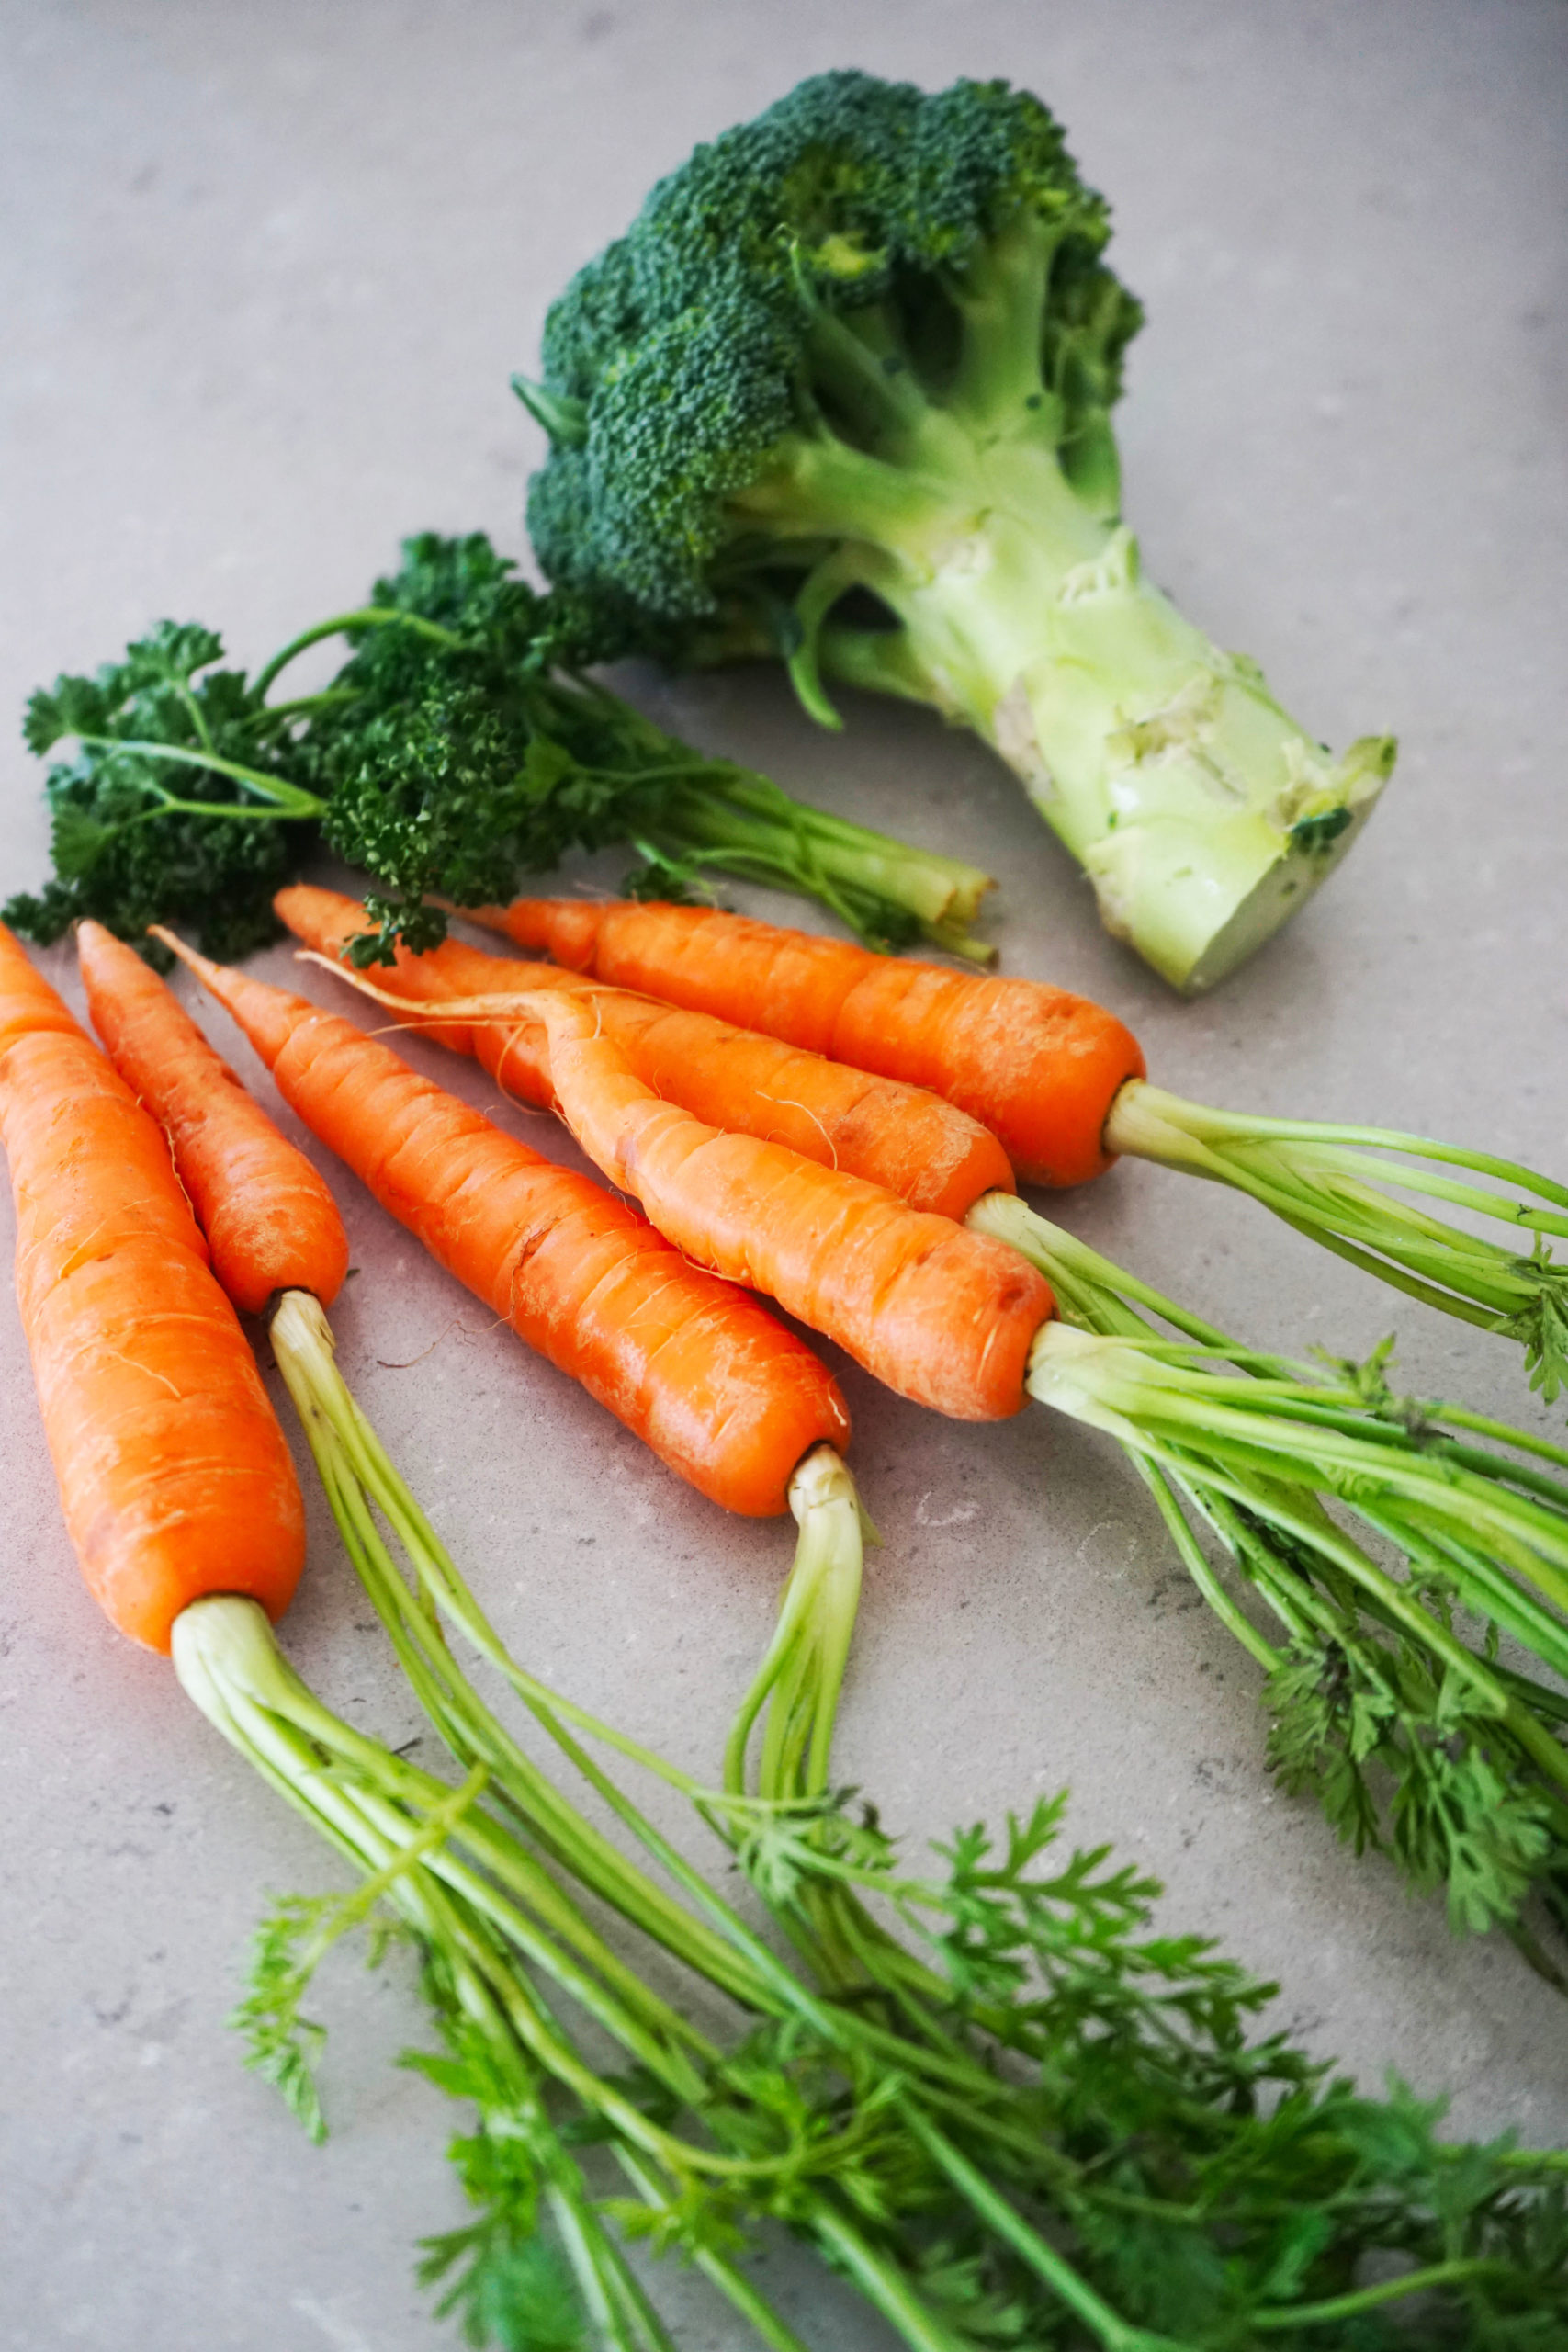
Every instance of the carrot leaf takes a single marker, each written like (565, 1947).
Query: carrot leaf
(283, 2047)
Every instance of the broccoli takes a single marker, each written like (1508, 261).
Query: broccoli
(842, 394)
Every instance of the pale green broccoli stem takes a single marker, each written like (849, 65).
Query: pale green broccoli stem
(1202, 814)
(1001, 297)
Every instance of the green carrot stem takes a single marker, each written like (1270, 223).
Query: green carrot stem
(1197, 1566)
(1397, 1608)
(1299, 1172)
(883, 2287)
(733, 1957)
(353, 1463)
(804, 1669)
(730, 2281)
(1108, 2330)
(1202, 1120)
(1375, 2298)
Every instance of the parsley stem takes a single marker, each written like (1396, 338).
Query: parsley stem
(368, 616)
(290, 799)
(329, 698)
(195, 714)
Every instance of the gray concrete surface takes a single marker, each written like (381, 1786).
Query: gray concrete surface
(263, 276)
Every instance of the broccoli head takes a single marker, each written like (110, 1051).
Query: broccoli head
(842, 394)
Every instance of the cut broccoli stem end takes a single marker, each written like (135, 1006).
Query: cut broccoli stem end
(1202, 814)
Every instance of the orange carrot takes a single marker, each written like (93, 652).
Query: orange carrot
(932, 1155)
(270, 1222)
(702, 1373)
(1040, 1068)
(943, 1316)
(173, 1472)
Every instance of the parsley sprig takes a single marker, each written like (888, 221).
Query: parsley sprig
(459, 750)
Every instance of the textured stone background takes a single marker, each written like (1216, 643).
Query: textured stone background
(263, 275)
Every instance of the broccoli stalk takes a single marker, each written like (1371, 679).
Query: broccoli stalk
(843, 393)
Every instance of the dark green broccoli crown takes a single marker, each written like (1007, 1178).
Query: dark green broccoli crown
(679, 361)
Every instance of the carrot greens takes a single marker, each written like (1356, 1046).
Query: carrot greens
(459, 748)
(993, 2095)
(1389, 1697)
(1333, 1183)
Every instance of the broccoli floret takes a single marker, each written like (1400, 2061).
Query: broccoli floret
(842, 394)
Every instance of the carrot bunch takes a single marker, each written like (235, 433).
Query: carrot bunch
(860, 2095)
(1463, 1776)
(715, 1386)
(718, 1388)
(181, 1497)
(1061, 1084)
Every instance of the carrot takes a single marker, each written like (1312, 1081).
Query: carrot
(943, 1316)
(270, 1222)
(703, 1375)
(1038, 1068)
(1061, 1084)
(930, 1154)
(1254, 1457)
(173, 1475)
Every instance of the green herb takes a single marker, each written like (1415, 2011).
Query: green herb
(456, 752)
